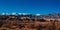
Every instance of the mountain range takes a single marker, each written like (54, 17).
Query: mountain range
(56, 15)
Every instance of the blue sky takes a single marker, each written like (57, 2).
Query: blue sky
(30, 6)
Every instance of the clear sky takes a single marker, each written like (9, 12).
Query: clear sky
(30, 6)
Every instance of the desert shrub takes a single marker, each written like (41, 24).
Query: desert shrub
(21, 26)
(41, 20)
(1, 23)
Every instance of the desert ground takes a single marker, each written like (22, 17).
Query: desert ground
(26, 23)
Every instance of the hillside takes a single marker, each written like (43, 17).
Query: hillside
(30, 22)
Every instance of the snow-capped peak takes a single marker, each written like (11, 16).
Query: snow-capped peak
(38, 14)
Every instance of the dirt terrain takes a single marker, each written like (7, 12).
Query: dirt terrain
(27, 23)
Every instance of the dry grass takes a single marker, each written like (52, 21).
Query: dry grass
(16, 24)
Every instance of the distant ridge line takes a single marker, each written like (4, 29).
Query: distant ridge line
(18, 14)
